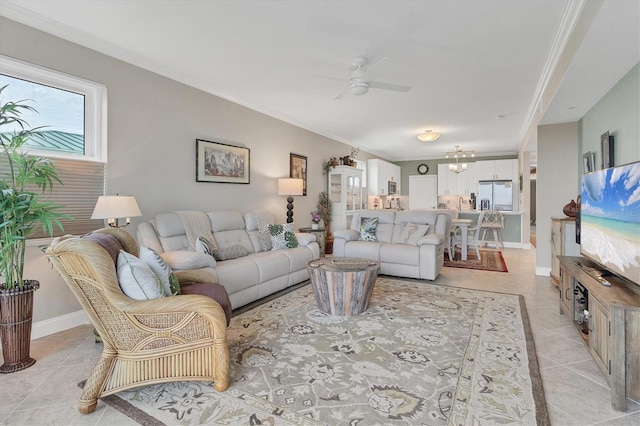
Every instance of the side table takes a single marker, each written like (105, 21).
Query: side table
(321, 237)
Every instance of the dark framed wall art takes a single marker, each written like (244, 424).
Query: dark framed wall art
(298, 169)
(606, 142)
(221, 163)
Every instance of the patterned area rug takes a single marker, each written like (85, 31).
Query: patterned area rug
(421, 354)
(490, 260)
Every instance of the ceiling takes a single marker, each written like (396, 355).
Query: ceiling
(482, 73)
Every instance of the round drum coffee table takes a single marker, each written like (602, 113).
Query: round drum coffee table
(343, 286)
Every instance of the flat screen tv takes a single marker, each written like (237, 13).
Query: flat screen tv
(610, 219)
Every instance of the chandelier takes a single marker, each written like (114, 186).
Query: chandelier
(458, 152)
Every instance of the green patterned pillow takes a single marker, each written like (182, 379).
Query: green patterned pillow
(368, 227)
(136, 279)
(282, 236)
(170, 283)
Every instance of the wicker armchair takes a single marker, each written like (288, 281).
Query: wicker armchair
(145, 342)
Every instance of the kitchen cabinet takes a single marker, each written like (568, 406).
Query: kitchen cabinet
(463, 183)
(497, 170)
(345, 193)
(611, 331)
(563, 243)
(379, 173)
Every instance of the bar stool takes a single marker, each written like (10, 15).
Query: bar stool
(493, 222)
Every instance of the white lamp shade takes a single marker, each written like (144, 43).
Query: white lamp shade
(116, 206)
(290, 186)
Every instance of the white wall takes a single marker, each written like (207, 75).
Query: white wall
(153, 123)
(557, 177)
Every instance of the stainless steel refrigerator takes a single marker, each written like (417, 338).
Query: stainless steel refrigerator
(495, 194)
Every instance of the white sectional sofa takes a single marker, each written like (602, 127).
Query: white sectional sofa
(247, 278)
(423, 259)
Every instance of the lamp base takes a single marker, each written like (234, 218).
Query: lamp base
(289, 209)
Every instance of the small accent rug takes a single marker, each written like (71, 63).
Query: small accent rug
(490, 260)
(421, 354)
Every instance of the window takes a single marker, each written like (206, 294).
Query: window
(73, 113)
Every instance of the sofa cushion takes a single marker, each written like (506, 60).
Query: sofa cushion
(402, 254)
(283, 236)
(368, 227)
(412, 232)
(185, 259)
(136, 279)
(170, 284)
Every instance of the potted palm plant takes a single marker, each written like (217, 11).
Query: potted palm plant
(22, 178)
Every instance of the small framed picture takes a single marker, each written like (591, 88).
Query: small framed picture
(606, 142)
(589, 161)
(298, 169)
(221, 163)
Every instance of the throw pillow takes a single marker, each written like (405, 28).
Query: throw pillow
(203, 246)
(170, 283)
(231, 252)
(264, 241)
(282, 236)
(110, 243)
(136, 279)
(368, 226)
(412, 232)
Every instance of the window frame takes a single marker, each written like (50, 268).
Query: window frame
(95, 105)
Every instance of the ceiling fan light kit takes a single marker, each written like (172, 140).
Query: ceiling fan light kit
(428, 136)
(359, 85)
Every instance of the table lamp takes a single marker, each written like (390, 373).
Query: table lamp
(290, 187)
(114, 207)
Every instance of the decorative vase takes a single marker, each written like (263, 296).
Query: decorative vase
(16, 314)
(314, 225)
(570, 209)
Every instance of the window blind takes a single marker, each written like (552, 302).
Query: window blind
(82, 184)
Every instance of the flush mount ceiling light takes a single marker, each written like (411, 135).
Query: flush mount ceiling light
(458, 152)
(428, 136)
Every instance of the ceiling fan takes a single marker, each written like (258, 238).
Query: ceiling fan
(359, 85)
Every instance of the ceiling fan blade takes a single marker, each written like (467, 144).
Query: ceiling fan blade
(341, 95)
(376, 62)
(388, 86)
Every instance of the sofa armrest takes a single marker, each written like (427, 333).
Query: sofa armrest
(347, 234)
(304, 239)
(183, 259)
(432, 239)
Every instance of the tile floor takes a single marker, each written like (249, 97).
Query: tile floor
(575, 390)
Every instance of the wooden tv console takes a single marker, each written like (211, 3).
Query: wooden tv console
(612, 331)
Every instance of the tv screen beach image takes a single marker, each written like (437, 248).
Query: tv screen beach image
(610, 219)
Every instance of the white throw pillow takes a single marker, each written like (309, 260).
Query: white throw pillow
(412, 233)
(136, 279)
(153, 260)
(203, 246)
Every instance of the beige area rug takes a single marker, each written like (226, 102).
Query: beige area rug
(490, 260)
(421, 354)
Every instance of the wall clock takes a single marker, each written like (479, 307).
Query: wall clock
(423, 169)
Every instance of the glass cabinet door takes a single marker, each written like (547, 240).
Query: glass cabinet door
(350, 187)
(335, 190)
(357, 194)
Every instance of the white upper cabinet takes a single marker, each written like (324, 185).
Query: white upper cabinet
(497, 169)
(463, 183)
(379, 174)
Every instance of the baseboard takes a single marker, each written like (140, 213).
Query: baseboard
(57, 324)
(543, 272)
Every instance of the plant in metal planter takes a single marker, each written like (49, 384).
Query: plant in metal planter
(324, 209)
(22, 177)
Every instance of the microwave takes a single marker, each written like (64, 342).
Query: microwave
(393, 187)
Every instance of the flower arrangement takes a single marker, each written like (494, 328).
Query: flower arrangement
(324, 209)
(315, 217)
